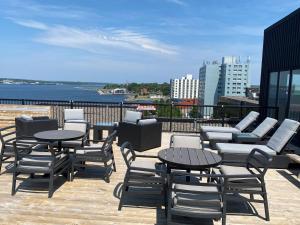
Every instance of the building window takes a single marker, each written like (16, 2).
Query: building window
(283, 87)
(272, 98)
(294, 112)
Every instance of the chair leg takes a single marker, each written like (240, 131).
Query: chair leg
(72, 171)
(1, 159)
(13, 187)
(50, 191)
(224, 209)
(124, 189)
(114, 164)
(266, 205)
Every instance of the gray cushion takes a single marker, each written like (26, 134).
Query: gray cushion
(26, 117)
(75, 126)
(244, 123)
(147, 121)
(242, 148)
(74, 114)
(132, 116)
(245, 137)
(219, 129)
(219, 136)
(185, 141)
(237, 170)
(264, 127)
(283, 134)
(71, 144)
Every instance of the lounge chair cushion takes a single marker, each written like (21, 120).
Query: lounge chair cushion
(147, 121)
(181, 141)
(283, 134)
(71, 144)
(206, 129)
(225, 148)
(219, 136)
(132, 116)
(244, 123)
(74, 114)
(264, 127)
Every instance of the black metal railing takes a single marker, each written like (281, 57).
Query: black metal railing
(175, 117)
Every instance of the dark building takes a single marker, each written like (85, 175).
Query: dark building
(280, 74)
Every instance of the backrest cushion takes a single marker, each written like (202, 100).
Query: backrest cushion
(182, 141)
(264, 127)
(244, 123)
(75, 126)
(74, 114)
(132, 116)
(26, 117)
(283, 134)
(147, 121)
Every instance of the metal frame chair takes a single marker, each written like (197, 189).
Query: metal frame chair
(93, 153)
(47, 161)
(142, 173)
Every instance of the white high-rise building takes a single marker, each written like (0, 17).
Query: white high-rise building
(229, 78)
(184, 88)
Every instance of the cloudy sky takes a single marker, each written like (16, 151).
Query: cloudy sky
(130, 40)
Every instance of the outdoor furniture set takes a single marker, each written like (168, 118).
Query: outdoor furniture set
(185, 193)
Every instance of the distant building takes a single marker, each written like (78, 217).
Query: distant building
(229, 78)
(184, 88)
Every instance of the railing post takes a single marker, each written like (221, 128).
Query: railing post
(71, 104)
(241, 110)
(223, 115)
(171, 116)
(121, 111)
(23, 101)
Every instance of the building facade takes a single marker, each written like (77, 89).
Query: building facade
(184, 88)
(280, 73)
(229, 78)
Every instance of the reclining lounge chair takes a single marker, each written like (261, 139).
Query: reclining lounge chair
(242, 125)
(274, 147)
(256, 135)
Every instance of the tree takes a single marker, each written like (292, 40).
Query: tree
(194, 113)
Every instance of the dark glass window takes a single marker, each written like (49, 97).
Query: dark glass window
(272, 89)
(283, 89)
(294, 112)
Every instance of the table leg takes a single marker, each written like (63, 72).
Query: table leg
(59, 145)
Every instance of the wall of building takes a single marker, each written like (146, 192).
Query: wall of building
(184, 88)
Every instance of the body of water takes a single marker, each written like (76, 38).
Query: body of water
(56, 92)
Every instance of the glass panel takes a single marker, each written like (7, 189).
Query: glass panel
(272, 89)
(283, 90)
(294, 112)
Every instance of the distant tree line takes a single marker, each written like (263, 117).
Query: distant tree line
(163, 88)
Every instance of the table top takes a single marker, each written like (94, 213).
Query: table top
(189, 158)
(58, 135)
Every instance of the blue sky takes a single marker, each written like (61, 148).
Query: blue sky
(130, 40)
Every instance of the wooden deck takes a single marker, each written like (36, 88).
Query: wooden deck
(90, 200)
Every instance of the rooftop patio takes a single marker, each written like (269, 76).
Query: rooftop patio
(90, 200)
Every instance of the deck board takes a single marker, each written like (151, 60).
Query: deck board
(90, 200)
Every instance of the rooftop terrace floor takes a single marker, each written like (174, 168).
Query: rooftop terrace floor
(90, 200)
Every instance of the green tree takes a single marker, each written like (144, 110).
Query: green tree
(194, 113)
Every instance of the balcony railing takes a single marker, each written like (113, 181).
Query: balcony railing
(175, 117)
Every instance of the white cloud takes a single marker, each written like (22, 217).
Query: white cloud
(178, 2)
(95, 40)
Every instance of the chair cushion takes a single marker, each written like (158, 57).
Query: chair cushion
(244, 123)
(71, 144)
(231, 148)
(264, 127)
(219, 136)
(219, 129)
(181, 141)
(147, 121)
(26, 117)
(132, 116)
(237, 170)
(74, 114)
(75, 126)
(283, 135)
(245, 137)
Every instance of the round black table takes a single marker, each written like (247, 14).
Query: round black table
(188, 159)
(58, 136)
